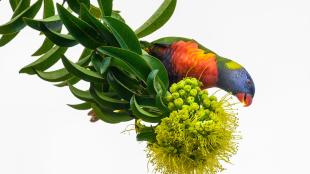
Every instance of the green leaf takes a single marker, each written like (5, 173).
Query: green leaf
(81, 72)
(122, 89)
(85, 52)
(146, 134)
(96, 61)
(109, 116)
(49, 9)
(170, 40)
(105, 65)
(106, 7)
(158, 19)
(64, 40)
(80, 94)
(153, 85)
(124, 35)
(142, 114)
(101, 64)
(20, 6)
(106, 101)
(72, 81)
(79, 29)
(52, 23)
(47, 45)
(17, 23)
(104, 33)
(82, 106)
(161, 105)
(75, 4)
(61, 74)
(117, 15)
(132, 59)
(5, 39)
(95, 11)
(45, 61)
(54, 76)
(13, 4)
(59, 39)
(125, 67)
(155, 63)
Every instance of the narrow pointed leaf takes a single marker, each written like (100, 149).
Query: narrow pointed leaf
(95, 11)
(124, 35)
(14, 4)
(158, 19)
(20, 7)
(108, 102)
(59, 39)
(142, 114)
(80, 94)
(155, 63)
(117, 15)
(71, 81)
(54, 76)
(122, 89)
(81, 72)
(104, 33)
(131, 58)
(47, 45)
(75, 4)
(153, 85)
(17, 23)
(53, 23)
(109, 116)
(79, 29)
(82, 106)
(5, 39)
(106, 7)
(49, 9)
(161, 105)
(85, 52)
(45, 61)
(146, 134)
(101, 64)
(61, 74)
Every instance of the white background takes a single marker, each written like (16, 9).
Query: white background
(39, 134)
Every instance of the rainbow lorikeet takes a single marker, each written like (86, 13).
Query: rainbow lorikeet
(187, 58)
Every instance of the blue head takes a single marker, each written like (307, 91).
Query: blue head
(233, 78)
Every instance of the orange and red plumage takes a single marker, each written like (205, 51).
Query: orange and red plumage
(188, 60)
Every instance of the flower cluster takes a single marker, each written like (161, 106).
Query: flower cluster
(199, 133)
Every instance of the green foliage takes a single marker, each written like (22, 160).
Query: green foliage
(124, 35)
(125, 82)
(16, 24)
(158, 19)
(106, 7)
(45, 61)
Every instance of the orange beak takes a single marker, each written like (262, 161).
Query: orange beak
(245, 99)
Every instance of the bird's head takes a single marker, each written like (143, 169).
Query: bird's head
(235, 79)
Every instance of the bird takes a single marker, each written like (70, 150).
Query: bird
(187, 58)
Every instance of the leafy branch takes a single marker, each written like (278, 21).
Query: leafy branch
(118, 90)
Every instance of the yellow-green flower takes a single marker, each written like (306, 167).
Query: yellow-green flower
(199, 134)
